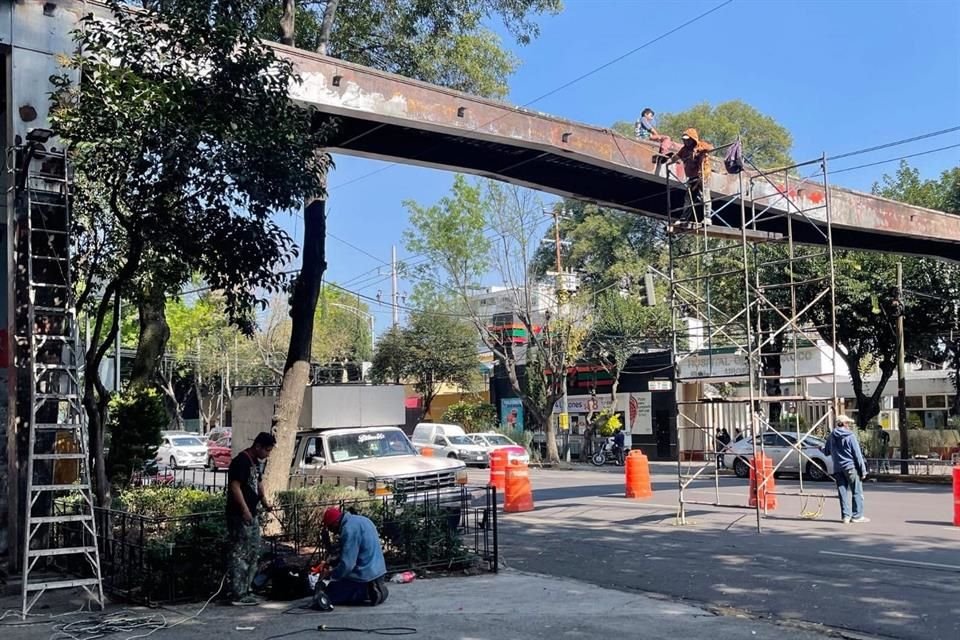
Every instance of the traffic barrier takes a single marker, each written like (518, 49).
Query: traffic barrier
(763, 492)
(638, 476)
(498, 469)
(956, 496)
(517, 496)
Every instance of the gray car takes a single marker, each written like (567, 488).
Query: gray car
(786, 456)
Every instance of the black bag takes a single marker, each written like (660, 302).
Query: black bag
(287, 581)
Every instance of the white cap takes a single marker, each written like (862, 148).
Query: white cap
(845, 419)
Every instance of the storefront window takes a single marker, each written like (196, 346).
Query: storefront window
(936, 402)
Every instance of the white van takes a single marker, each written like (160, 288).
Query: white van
(449, 441)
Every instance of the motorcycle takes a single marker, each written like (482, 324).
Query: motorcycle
(606, 454)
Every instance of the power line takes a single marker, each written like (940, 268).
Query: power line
(887, 145)
(905, 157)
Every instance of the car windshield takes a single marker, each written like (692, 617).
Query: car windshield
(498, 440)
(186, 441)
(369, 444)
(459, 440)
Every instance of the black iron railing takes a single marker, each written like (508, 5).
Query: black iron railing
(151, 559)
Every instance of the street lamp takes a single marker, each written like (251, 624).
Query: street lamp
(362, 314)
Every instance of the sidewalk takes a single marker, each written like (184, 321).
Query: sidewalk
(487, 607)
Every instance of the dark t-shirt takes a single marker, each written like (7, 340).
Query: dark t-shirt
(247, 473)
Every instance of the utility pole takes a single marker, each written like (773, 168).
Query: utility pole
(901, 375)
(561, 296)
(395, 295)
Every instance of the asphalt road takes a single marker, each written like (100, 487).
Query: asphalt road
(897, 576)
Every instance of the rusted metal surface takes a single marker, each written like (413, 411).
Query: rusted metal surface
(386, 100)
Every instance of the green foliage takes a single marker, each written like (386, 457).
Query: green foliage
(474, 417)
(623, 326)
(607, 423)
(160, 502)
(184, 144)
(136, 419)
(446, 42)
(434, 349)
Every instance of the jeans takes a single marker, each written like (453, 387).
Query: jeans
(850, 486)
(349, 592)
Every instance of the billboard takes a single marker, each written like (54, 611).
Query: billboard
(511, 413)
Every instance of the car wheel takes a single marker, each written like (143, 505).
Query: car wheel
(211, 464)
(817, 471)
(452, 455)
(741, 468)
(173, 462)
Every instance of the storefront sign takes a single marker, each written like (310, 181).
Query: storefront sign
(636, 409)
(809, 361)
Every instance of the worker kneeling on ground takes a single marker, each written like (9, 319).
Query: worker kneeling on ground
(357, 577)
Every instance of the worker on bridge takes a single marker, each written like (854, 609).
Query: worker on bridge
(695, 156)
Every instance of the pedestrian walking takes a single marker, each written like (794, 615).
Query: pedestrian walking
(587, 449)
(357, 576)
(723, 439)
(244, 496)
(884, 440)
(849, 469)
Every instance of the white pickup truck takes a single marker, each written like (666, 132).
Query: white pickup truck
(378, 459)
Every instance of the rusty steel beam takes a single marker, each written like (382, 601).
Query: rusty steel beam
(385, 100)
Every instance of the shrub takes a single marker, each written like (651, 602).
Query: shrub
(160, 502)
(474, 417)
(136, 419)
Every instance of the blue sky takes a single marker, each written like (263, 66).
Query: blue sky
(840, 75)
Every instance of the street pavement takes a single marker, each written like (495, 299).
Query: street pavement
(896, 576)
(486, 607)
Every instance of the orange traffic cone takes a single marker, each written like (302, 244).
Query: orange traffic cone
(638, 476)
(518, 495)
(498, 469)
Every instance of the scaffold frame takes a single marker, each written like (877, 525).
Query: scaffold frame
(709, 255)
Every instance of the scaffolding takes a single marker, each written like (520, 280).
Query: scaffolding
(59, 538)
(751, 284)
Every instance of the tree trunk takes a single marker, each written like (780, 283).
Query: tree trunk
(287, 22)
(152, 341)
(296, 370)
(326, 26)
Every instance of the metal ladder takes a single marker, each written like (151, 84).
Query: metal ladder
(59, 541)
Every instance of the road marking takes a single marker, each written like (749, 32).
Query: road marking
(911, 563)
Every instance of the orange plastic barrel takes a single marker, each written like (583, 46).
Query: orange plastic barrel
(518, 495)
(498, 469)
(426, 451)
(638, 476)
(956, 495)
(762, 492)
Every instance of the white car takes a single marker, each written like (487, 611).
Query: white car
(180, 450)
(493, 441)
(449, 441)
(781, 447)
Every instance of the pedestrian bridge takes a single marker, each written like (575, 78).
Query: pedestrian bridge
(389, 117)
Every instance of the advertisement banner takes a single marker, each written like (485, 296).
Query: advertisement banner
(511, 413)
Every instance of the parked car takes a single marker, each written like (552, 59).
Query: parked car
(379, 459)
(781, 447)
(219, 453)
(449, 441)
(178, 451)
(218, 433)
(492, 441)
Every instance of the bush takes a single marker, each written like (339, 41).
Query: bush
(474, 417)
(136, 419)
(607, 423)
(169, 502)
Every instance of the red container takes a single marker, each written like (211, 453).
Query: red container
(956, 496)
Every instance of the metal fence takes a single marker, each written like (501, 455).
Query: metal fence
(933, 467)
(149, 560)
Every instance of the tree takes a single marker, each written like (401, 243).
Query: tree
(434, 349)
(451, 234)
(178, 170)
(448, 43)
(766, 143)
(474, 417)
